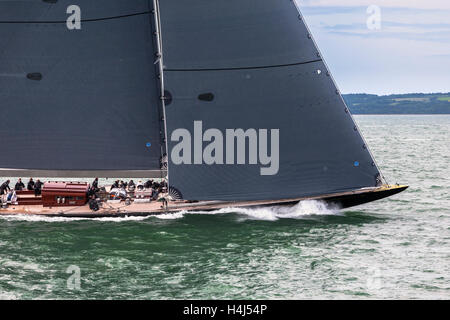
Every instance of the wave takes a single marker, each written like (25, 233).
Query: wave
(299, 211)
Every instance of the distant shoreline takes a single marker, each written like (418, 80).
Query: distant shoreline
(400, 114)
(412, 103)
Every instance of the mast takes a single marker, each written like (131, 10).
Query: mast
(160, 62)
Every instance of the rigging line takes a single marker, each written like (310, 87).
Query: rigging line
(86, 20)
(157, 17)
(247, 68)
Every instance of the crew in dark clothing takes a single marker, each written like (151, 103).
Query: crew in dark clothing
(30, 185)
(95, 184)
(93, 204)
(19, 185)
(148, 184)
(122, 185)
(131, 186)
(156, 185)
(94, 188)
(115, 185)
(4, 187)
(38, 188)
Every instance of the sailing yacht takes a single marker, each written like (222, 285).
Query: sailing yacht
(230, 101)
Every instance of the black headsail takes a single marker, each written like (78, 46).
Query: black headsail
(80, 102)
(252, 110)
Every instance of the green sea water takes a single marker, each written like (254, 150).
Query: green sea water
(394, 248)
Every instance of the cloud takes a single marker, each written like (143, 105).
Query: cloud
(396, 23)
(410, 53)
(412, 4)
(425, 36)
(396, 30)
(317, 10)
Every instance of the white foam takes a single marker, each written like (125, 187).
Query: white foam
(181, 214)
(8, 296)
(21, 265)
(298, 211)
(170, 216)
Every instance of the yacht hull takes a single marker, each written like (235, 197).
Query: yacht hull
(341, 200)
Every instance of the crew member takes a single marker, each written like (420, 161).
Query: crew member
(30, 185)
(94, 187)
(115, 185)
(38, 188)
(148, 184)
(156, 185)
(93, 204)
(95, 184)
(4, 187)
(19, 185)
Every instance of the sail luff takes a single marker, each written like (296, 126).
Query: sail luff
(157, 15)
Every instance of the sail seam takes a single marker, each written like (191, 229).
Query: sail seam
(245, 68)
(86, 20)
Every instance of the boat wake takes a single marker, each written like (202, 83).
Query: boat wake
(299, 211)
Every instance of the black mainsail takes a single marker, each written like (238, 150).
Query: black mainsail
(80, 102)
(257, 63)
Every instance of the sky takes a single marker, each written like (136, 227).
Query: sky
(383, 46)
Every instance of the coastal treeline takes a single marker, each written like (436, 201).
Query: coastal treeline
(414, 103)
